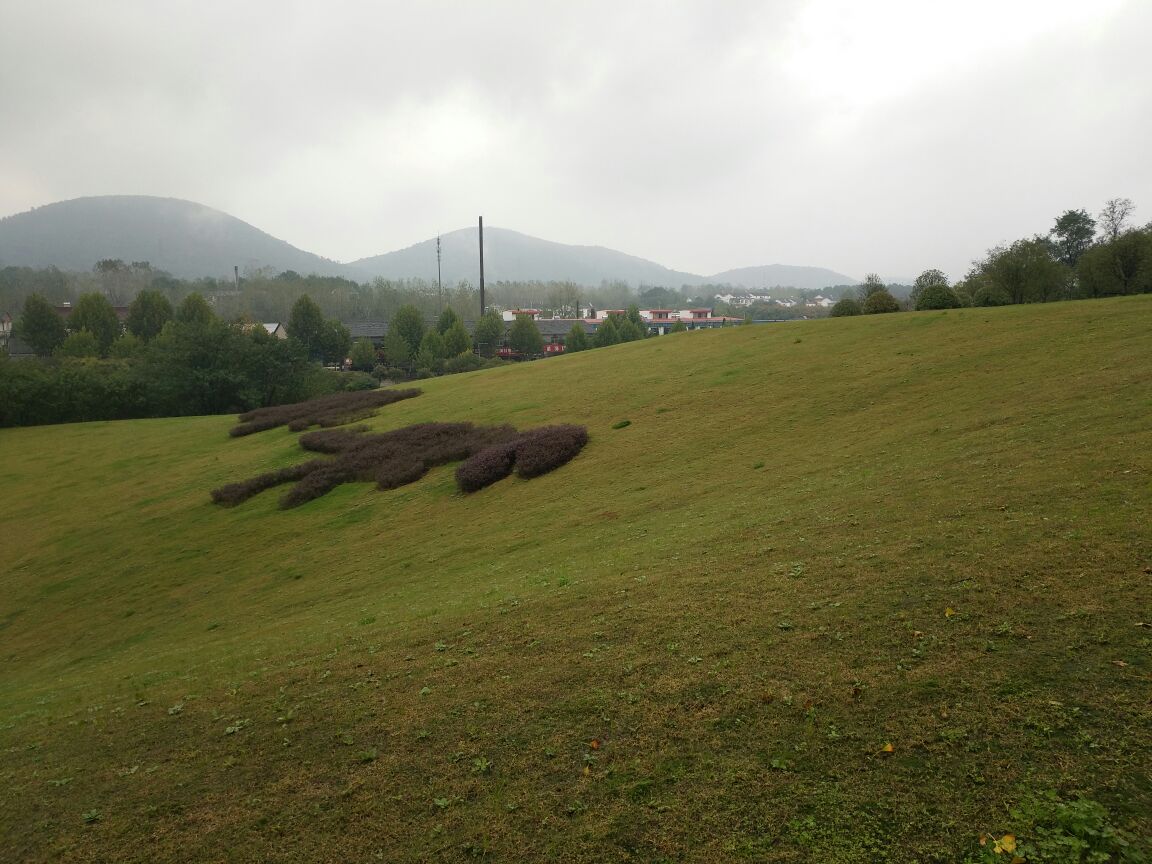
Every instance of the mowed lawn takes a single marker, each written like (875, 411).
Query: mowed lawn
(841, 590)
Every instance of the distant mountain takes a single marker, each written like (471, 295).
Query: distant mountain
(187, 239)
(190, 240)
(510, 256)
(782, 275)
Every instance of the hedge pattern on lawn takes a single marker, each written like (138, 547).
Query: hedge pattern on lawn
(393, 459)
(532, 453)
(326, 411)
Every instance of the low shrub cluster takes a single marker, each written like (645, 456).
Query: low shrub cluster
(393, 459)
(539, 451)
(236, 493)
(531, 453)
(486, 467)
(333, 410)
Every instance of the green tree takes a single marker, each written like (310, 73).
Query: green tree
(872, 284)
(489, 333)
(335, 342)
(879, 302)
(447, 318)
(40, 326)
(1072, 235)
(576, 340)
(456, 339)
(524, 336)
(433, 344)
(362, 355)
(128, 346)
(1120, 266)
(845, 306)
(306, 326)
(396, 350)
(630, 326)
(1026, 271)
(924, 280)
(80, 343)
(409, 323)
(678, 327)
(937, 296)
(1114, 217)
(660, 298)
(426, 362)
(148, 313)
(194, 309)
(606, 333)
(95, 314)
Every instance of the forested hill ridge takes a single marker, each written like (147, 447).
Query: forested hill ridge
(186, 239)
(191, 240)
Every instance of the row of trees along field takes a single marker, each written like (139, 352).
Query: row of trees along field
(164, 361)
(262, 296)
(1080, 257)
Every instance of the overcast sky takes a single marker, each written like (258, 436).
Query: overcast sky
(885, 136)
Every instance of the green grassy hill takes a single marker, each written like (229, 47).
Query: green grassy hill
(694, 642)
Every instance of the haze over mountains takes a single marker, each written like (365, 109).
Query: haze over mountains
(190, 240)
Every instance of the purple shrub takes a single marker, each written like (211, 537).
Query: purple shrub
(539, 451)
(486, 467)
(402, 456)
(325, 411)
(237, 493)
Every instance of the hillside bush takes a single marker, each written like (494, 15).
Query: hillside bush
(465, 361)
(879, 302)
(402, 456)
(937, 296)
(844, 307)
(531, 453)
(539, 451)
(334, 410)
(486, 467)
(237, 493)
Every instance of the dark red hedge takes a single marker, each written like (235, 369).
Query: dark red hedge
(334, 410)
(393, 459)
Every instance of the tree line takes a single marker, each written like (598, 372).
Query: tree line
(162, 361)
(1081, 256)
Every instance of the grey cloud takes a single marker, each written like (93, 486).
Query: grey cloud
(687, 132)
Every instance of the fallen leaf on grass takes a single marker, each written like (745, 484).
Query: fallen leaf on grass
(1007, 843)
(1119, 663)
(594, 743)
(888, 748)
(949, 612)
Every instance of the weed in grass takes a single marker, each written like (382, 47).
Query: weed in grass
(620, 424)
(1048, 829)
(480, 765)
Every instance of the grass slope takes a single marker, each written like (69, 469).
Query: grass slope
(692, 643)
